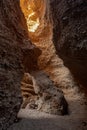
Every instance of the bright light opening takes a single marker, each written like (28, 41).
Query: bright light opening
(33, 11)
(32, 20)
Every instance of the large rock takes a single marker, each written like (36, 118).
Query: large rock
(14, 42)
(70, 35)
(40, 93)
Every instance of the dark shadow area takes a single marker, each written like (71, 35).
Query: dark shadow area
(60, 123)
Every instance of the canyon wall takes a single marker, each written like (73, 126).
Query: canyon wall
(67, 31)
(14, 47)
(70, 35)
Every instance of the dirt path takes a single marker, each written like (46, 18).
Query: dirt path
(33, 120)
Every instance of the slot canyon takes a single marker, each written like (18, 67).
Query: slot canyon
(43, 64)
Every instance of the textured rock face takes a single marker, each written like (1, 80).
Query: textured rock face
(70, 35)
(14, 42)
(40, 93)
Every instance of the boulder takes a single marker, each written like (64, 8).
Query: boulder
(45, 96)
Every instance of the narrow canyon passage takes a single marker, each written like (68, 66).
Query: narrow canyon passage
(42, 46)
(49, 61)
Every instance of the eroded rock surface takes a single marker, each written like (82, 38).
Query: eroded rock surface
(70, 35)
(42, 94)
(14, 42)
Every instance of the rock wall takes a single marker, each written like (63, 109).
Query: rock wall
(70, 35)
(14, 46)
